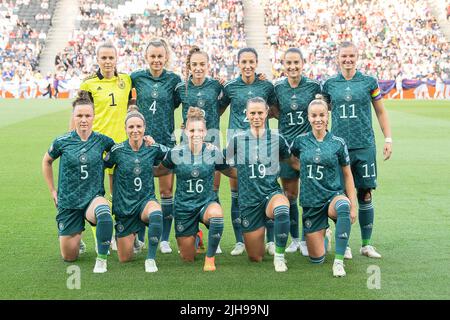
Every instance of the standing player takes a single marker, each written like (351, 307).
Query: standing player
(351, 95)
(111, 93)
(80, 185)
(324, 159)
(156, 100)
(194, 164)
(294, 94)
(255, 153)
(134, 201)
(236, 93)
(398, 86)
(203, 92)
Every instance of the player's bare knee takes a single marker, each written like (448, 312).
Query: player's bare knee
(292, 196)
(70, 257)
(186, 257)
(255, 258)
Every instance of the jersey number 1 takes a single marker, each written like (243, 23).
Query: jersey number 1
(113, 102)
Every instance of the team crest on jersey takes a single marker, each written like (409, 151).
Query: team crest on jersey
(316, 157)
(348, 94)
(195, 173)
(137, 170)
(155, 92)
(180, 227)
(294, 104)
(121, 84)
(245, 223)
(201, 103)
(61, 226)
(308, 223)
(83, 158)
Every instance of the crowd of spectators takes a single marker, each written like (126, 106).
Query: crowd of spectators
(216, 26)
(393, 37)
(20, 47)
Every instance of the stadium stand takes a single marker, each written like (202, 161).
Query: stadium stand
(216, 26)
(396, 40)
(392, 37)
(23, 25)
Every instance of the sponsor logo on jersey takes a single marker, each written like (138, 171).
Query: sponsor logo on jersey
(99, 88)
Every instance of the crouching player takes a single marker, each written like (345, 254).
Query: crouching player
(134, 201)
(80, 193)
(256, 153)
(194, 163)
(322, 156)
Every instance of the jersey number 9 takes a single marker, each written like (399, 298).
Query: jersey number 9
(137, 184)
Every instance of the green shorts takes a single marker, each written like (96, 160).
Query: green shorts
(363, 163)
(187, 224)
(315, 218)
(254, 217)
(129, 224)
(287, 172)
(71, 221)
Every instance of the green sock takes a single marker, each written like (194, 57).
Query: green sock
(281, 227)
(214, 235)
(343, 226)
(366, 218)
(154, 233)
(104, 229)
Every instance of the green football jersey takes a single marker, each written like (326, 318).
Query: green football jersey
(320, 167)
(257, 160)
(195, 176)
(293, 105)
(237, 92)
(156, 100)
(81, 170)
(133, 175)
(351, 112)
(205, 96)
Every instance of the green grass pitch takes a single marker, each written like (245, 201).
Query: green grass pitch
(412, 225)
